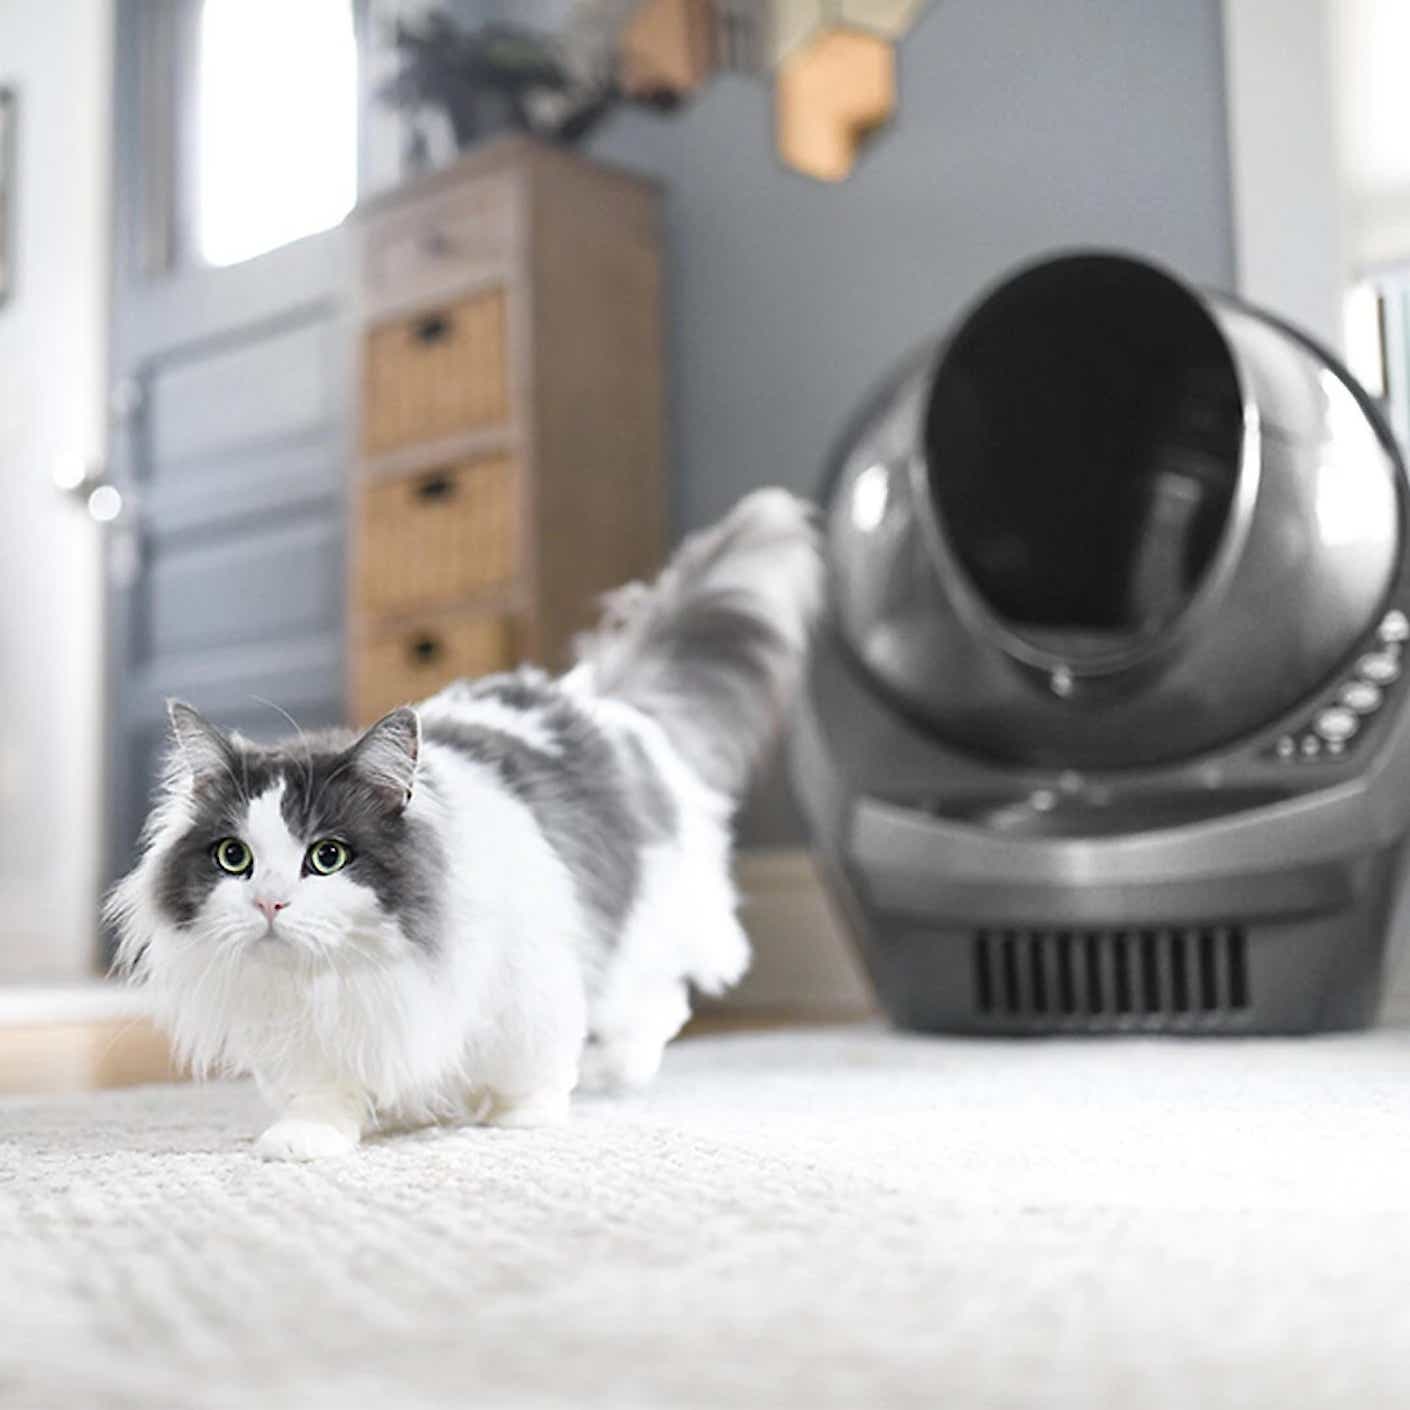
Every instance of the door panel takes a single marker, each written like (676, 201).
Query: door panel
(250, 486)
(232, 392)
(266, 386)
(272, 584)
(302, 677)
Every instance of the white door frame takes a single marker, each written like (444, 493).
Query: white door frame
(53, 338)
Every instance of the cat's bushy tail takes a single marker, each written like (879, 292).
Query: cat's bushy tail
(713, 649)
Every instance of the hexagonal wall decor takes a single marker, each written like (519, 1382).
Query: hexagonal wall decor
(833, 64)
(831, 94)
(667, 49)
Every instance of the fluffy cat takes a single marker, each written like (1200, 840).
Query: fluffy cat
(494, 897)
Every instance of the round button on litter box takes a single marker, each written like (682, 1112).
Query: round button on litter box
(1337, 724)
(1361, 696)
(1378, 668)
(1395, 626)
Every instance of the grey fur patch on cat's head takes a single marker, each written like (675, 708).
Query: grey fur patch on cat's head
(334, 783)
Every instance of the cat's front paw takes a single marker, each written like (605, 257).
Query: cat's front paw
(298, 1139)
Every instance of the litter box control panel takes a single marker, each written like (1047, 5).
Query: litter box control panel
(1338, 722)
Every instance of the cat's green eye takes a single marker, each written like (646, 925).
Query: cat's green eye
(233, 856)
(327, 856)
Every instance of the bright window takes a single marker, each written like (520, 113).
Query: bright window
(276, 124)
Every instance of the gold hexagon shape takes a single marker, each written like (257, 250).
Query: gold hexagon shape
(666, 50)
(831, 94)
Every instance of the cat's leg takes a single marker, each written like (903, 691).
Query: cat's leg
(645, 1001)
(317, 1123)
(630, 1033)
(683, 933)
(527, 1074)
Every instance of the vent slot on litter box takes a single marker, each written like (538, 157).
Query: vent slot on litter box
(1111, 975)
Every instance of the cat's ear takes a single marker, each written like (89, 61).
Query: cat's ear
(200, 750)
(385, 757)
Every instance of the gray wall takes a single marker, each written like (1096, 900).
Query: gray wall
(1023, 127)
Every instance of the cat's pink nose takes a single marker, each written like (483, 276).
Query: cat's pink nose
(269, 908)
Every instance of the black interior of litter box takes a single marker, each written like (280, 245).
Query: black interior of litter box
(1083, 439)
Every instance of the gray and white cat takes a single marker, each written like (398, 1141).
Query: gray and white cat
(494, 897)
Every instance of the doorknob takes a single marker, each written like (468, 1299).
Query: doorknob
(105, 503)
(87, 481)
(73, 475)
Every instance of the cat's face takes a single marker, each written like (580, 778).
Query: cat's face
(303, 852)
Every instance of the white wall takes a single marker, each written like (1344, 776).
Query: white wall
(1371, 46)
(1319, 112)
(1284, 160)
(52, 338)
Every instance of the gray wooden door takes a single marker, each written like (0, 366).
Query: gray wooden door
(230, 408)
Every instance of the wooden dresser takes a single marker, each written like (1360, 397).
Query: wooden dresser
(510, 459)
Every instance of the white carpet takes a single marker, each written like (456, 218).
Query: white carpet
(839, 1218)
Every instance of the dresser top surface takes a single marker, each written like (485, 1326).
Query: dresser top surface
(509, 152)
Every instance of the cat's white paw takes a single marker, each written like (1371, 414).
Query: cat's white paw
(525, 1113)
(298, 1139)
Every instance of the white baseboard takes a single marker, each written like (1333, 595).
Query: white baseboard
(804, 960)
(38, 1005)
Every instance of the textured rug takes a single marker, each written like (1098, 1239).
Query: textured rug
(838, 1218)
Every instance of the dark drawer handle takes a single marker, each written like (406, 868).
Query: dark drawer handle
(424, 650)
(434, 328)
(434, 488)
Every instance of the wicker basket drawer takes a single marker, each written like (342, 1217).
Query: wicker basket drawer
(439, 241)
(436, 374)
(399, 667)
(438, 537)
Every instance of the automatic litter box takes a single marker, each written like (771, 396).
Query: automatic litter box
(1107, 728)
